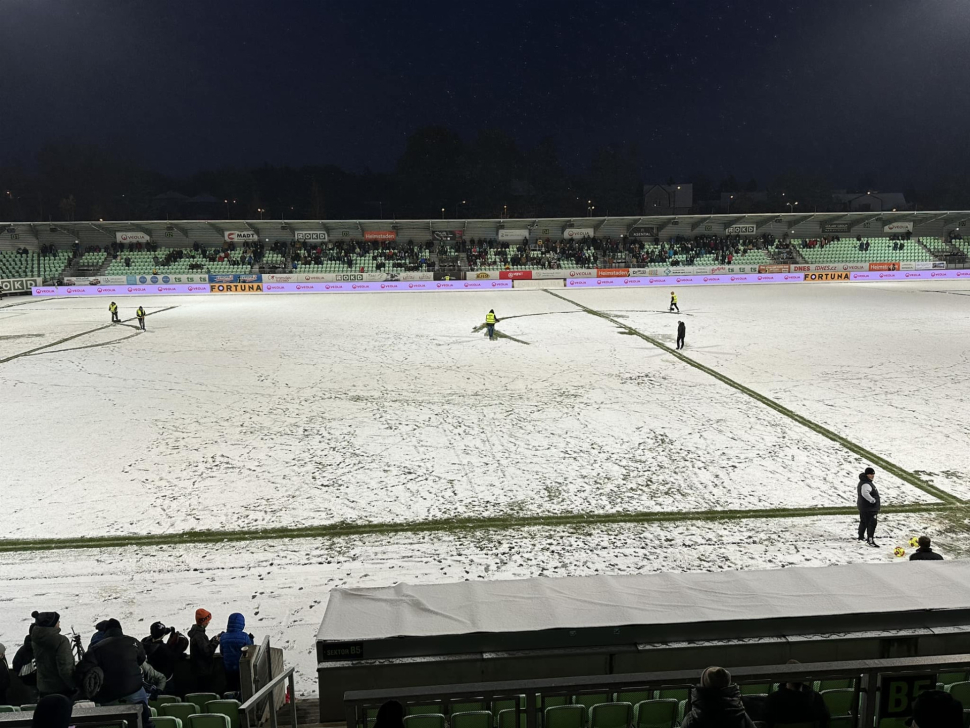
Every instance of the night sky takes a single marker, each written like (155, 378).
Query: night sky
(751, 88)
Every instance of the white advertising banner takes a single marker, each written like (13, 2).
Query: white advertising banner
(575, 233)
(345, 277)
(829, 267)
(312, 236)
(19, 285)
(513, 234)
(133, 238)
(898, 227)
(241, 236)
(741, 230)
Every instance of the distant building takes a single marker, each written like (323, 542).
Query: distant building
(667, 199)
(870, 201)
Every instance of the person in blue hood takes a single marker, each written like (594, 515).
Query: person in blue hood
(231, 643)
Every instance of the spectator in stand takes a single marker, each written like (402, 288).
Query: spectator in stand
(52, 655)
(231, 644)
(390, 715)
(796, 703)
(25, 667)
(201, 650)
(52, 711)
(936, 709)
(4, 675)
(716, 703)
(163, 654)
(120, 659)
(924, 552)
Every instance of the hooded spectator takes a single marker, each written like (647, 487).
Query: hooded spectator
(201, 650)
(52, 711)
(52, 655)
(231, 644)
(163, 653)
(716, 703)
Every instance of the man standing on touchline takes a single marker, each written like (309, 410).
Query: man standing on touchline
(867, 501)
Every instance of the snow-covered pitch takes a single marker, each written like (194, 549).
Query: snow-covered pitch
(261, 411)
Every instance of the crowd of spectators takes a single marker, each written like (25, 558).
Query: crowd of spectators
(548, 255)
(683, 250)
(115, 667)
(388, 255)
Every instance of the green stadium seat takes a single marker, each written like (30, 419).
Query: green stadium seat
(28, 708)
(466, 707)
(552, 701)
(200, 699)
(182, 711)
(588, 700)
(506, 719)
(162, 700)
(823, 685)
(656, 713)
(10, 709)
(960, 691)
(673, 694)
(756, 689)
(425, 720)
(424, 709)
(839, 700)
(166, 721)
(208, 720)
(565, 716)
(634, 697)
(610, 715)
(948, 678)
(472, 719)
(230, 709)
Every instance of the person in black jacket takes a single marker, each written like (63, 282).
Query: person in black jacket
(868, 503)
(924, 552)
(201, 650)
(164, 653)
(681, 333)
(119, 657)
(4, 675)
(796, 703)
(24, 667)
(716, 703)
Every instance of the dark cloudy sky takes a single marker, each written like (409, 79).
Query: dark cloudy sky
(752, 87)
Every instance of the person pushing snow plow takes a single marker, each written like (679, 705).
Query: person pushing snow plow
(490, 321)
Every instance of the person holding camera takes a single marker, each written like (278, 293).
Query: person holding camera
(162, 653)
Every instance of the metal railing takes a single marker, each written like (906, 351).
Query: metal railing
(867, 674)
(265, 692)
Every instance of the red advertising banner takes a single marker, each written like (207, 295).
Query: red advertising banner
(515, 275)
(612, 272)
(380, 235)
(884, 266)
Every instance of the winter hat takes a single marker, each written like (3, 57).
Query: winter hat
(159, 630)
(46, 619)
(870, 471)
(202, 617)
(52, 711)
(715, 678)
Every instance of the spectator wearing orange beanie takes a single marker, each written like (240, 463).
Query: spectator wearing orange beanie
(201, 651)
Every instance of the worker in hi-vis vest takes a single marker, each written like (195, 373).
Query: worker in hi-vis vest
(490, 324)
(673, 302)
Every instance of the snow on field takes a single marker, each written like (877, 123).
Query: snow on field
(884, 364)
(282, 587)
(261, 411)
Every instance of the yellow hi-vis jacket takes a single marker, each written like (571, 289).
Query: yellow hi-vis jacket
(140, 313)
(673, 298)
(113, 307)
(490, 318)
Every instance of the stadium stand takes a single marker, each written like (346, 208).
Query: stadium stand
(864, 250)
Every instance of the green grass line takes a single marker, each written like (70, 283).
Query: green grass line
(873, 458)
(450, 525)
